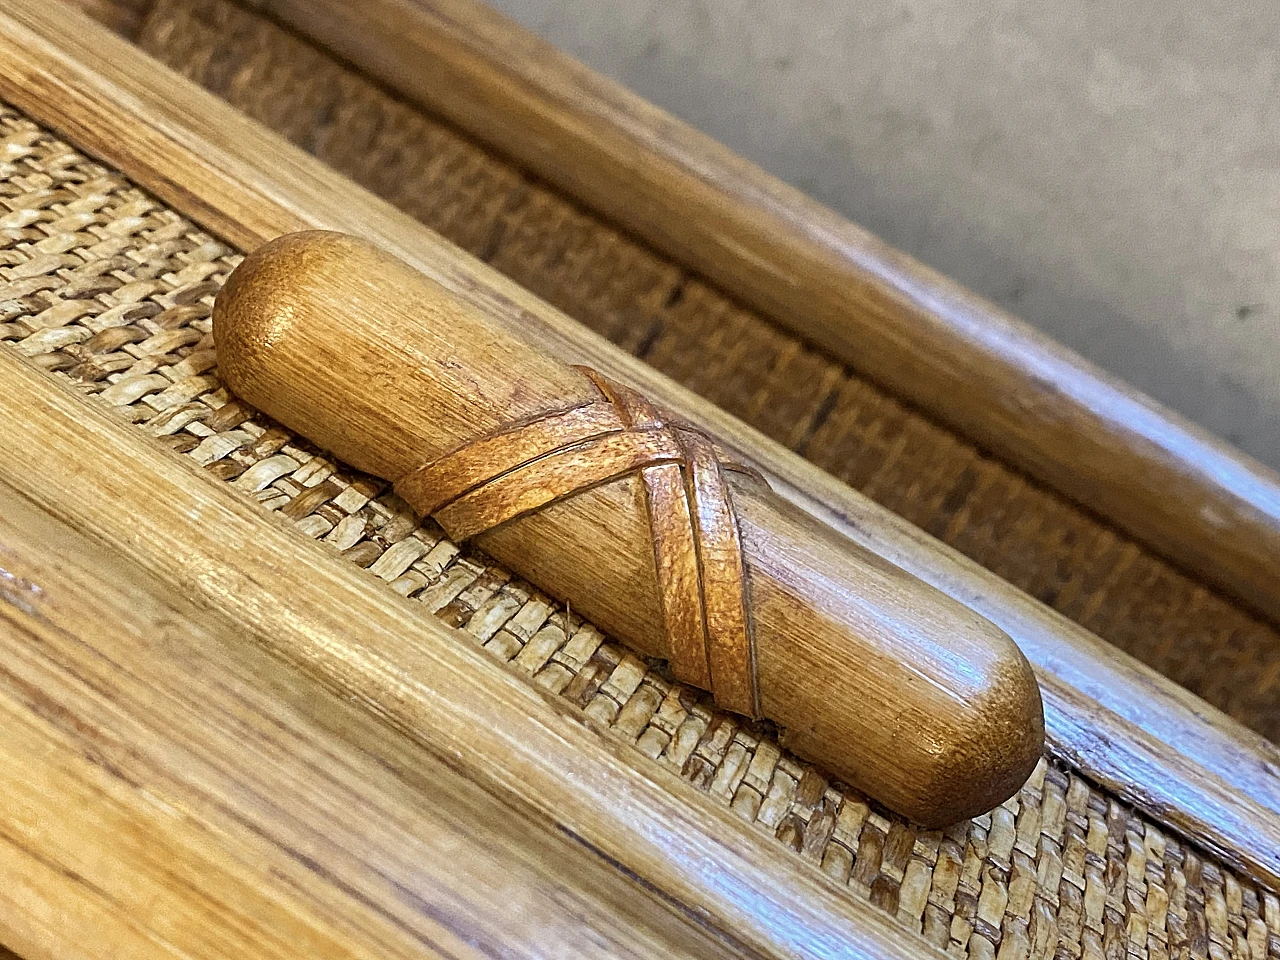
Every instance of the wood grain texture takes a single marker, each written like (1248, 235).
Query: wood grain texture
(1046, 867)
(1144, 738)
(314, 611)
(888, 683)
(685, 327)
(1168, 483)
(211, 802)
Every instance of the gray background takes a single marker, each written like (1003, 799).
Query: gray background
(1109, 171)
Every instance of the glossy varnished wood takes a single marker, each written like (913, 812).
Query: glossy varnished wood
(316, 612)
(1131, 730)
(171, 791)
(886, 682)
(1041, 407)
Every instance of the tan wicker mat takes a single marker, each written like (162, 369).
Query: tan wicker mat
(1019, 530)
(105, 286)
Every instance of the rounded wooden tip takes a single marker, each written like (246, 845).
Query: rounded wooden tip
(342, 341)
(1002, 742)
(938, 711)
(253, 313)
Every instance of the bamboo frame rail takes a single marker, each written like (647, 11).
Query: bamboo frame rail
(1143, 737)
(971, 365)
(141, 733)
(517, 743)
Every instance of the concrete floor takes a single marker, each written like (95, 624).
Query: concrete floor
(1109, 171)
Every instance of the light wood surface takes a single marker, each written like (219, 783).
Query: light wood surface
(1118, 722)
(172, 791)
(316, 612)
(886, 682)
(1166, 482)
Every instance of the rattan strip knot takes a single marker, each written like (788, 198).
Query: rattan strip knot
(522, 467)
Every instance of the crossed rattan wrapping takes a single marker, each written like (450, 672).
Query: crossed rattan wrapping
(737, 359)
(102, 285)
(522, 467)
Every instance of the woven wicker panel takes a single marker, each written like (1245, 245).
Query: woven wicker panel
(110, 290)
(1025, 533)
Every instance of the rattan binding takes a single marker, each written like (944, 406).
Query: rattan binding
(525, 466)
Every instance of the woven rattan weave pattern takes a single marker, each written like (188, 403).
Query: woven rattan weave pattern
(1021, 531)
(104, 286)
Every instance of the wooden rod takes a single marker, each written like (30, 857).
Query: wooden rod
(1168, 483)
(889, 684)
(169, 790)
(317, 612)
(1133, 731)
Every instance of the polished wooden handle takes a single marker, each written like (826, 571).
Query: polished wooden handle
(885, 681)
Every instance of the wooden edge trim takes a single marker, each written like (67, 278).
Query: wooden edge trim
(1187, 495)
(99, 664)
(426, 680)
(1133, 731)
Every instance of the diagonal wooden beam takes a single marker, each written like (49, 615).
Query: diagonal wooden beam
(169, 790)
(316, 612)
